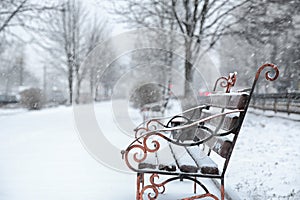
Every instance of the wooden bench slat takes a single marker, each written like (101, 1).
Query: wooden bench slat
(204, 162)
(229, 100)
(226, 123)
(220, 145)
(165, 160)
(184, 161)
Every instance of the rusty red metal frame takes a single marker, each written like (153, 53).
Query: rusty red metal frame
(150, 129)
(155, 187)
(141, 143)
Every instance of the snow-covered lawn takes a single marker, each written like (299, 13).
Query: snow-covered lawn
(266, 160)
(41, 157)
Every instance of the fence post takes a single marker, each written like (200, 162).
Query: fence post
(275, 105)
(253, 101)
(288, 104)
(282, 102)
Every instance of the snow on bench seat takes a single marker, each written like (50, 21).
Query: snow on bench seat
(150, 162)
(183, 160)
(186, 159)
(165, 160)
(205, 164)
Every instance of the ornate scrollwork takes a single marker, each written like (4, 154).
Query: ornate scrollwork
(267, 74)
(156, 187)
(140, 131)
(222, 84)
(151, 196)
(140, 151)
(231, 81)
(226, 82)
(136, 156)
(150, 144)
(150, 125)
(154, 142)
(154, 124)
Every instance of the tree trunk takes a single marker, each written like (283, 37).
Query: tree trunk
(78, 91)
(70, 80)
(188, 69)
(92, 85)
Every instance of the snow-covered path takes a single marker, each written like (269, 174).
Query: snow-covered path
(41, 157)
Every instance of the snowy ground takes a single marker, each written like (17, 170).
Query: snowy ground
(41, 157)
(266, 160)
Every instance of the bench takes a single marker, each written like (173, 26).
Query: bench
(151, 110)
(157, 108)
(194, 144)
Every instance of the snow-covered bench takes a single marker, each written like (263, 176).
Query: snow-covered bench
(194, 144)
(152, 109)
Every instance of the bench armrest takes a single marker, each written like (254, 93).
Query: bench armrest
(200, 121)
(160, 132)
(154, 123)
(151, 141)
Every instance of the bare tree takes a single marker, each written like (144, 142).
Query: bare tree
(13, 73)
(62, 40)
(202, 22)
(69, 38)
(17, 18)
(97, 32)
(21, 13)
(270, 33)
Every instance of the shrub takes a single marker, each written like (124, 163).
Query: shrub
(146, 94)
(32, 98)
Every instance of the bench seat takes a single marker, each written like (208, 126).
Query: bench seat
(179, 158)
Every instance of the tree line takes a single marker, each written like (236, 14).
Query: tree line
(64, 32)
(243, 33)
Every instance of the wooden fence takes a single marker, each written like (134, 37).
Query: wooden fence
(277, 102)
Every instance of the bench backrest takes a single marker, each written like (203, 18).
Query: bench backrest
(215, 125)
(220, 133)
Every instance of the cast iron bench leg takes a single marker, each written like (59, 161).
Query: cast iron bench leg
(139, 182)
(222, 189)
(195, 185)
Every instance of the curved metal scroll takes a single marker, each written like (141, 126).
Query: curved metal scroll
(157, 186)
(222, 84)
(226, 82)
(267, 74)
(151, 125)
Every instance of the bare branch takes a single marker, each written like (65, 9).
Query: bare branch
(176, 16)
(227, 12)
(12, 14)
